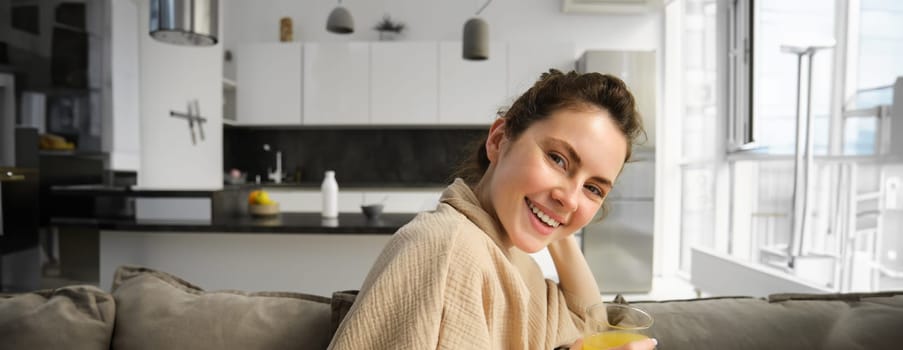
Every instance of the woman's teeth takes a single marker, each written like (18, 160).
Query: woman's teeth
(542, 216)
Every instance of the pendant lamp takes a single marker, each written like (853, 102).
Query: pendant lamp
(340, 21)
(185, 22)
(476, 37)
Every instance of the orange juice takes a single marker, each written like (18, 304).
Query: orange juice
(608, 340)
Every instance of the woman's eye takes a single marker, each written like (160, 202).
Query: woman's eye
(557, 159)
(596, 190)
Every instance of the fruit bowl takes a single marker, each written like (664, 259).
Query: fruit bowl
(271, 209)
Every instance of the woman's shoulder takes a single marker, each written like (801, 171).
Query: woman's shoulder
(444, 228)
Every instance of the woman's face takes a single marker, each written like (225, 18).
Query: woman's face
(552, 179)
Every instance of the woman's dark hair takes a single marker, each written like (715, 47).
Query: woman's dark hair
(555, 91)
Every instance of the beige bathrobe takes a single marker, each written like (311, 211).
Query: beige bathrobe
(450, 280)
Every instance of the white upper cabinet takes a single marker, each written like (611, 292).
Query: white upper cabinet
(471, 92)
(336, 83)
(404, 85)
(527, 60)
(386, 83)
(269, 79)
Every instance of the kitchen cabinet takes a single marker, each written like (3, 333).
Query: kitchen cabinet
(386, 83)
(336, 83)
(235, 260)
(527, 60)
(268, 79)
(404, 80)
(471, 92)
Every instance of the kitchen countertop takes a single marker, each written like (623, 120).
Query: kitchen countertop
(125, 191)
(284, 223)
(355, 185)
(131, 191)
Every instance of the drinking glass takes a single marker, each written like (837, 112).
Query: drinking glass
(610, 325)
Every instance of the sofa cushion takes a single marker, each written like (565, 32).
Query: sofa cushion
(160, 311)
(870, 321)
(341, 304)
(74, 317)
(865, 320)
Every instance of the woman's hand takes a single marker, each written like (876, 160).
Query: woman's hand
(645, 344)
(575, 278)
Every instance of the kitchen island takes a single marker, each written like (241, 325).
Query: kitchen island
(292, 252)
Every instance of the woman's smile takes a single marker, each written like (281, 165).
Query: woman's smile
(544, 223)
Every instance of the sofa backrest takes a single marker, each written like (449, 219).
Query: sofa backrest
(784, 321)
(155, 310)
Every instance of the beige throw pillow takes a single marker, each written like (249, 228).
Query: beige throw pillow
(160, 311)
(74, 317)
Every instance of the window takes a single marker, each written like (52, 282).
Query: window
(777, 25)
(880, 50)
(818, 209)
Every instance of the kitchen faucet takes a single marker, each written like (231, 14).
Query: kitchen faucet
(276, 175)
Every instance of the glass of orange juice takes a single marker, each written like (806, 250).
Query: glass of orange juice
(610, 325)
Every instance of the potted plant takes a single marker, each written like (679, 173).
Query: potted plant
(388, 29)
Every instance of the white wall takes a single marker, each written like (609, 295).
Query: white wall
(121, 98)
(667, 166)
(170, 77)
(509, 20)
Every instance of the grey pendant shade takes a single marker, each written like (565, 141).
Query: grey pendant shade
(185, 22)
(340, 21)
(476, 40)
(476, 37)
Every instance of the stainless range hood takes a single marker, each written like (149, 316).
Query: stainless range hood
(185, 22)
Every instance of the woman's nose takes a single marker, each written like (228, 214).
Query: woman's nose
(567, 196)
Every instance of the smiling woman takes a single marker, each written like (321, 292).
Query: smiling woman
(541, 174)
(539, 187)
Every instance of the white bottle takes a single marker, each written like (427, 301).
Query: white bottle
(330, 193)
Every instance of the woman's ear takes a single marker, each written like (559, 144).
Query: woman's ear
(495, 139)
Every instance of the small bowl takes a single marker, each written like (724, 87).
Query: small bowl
(372, 211)
(264, 209)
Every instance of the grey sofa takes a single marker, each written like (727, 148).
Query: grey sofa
(150, 309)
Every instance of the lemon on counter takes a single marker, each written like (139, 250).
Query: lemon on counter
(264, 198)
(259, 197)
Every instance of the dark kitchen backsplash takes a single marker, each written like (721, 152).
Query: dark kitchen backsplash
(359, 156)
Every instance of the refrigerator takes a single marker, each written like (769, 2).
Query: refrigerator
(619, 247)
